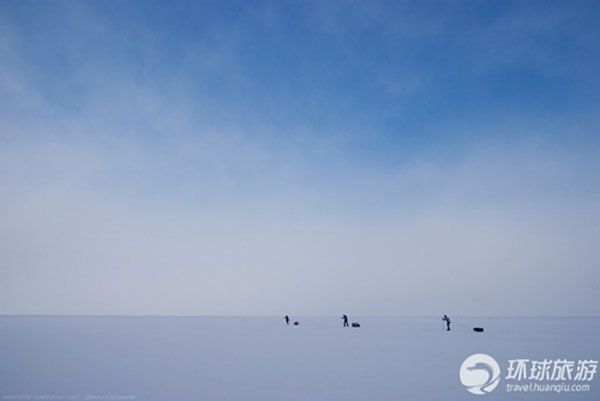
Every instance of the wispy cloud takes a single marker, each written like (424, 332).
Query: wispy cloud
(270, 162)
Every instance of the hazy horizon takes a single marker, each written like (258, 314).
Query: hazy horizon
(300, 317)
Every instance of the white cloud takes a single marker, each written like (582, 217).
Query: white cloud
(135, 199)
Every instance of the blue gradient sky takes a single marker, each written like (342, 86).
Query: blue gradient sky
(299, 157)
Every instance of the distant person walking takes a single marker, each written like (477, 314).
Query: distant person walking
(345, 320)
(447, 320)
(287, 319)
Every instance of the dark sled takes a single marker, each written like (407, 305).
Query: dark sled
(355, 324)
(296, 323)
(478, 329)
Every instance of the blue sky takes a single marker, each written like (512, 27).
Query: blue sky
(234, 157)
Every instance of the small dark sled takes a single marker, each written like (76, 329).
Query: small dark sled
(478, 329)
(355, 324)
(296, 323)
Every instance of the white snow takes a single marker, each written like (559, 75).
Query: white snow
(262, 359)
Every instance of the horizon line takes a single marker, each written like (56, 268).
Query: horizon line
(280, 315)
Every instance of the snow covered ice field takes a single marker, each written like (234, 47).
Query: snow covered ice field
(262, 359)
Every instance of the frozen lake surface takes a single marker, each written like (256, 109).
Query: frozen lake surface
(248, 358)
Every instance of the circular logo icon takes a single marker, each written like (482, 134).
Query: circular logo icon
(480, 374)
